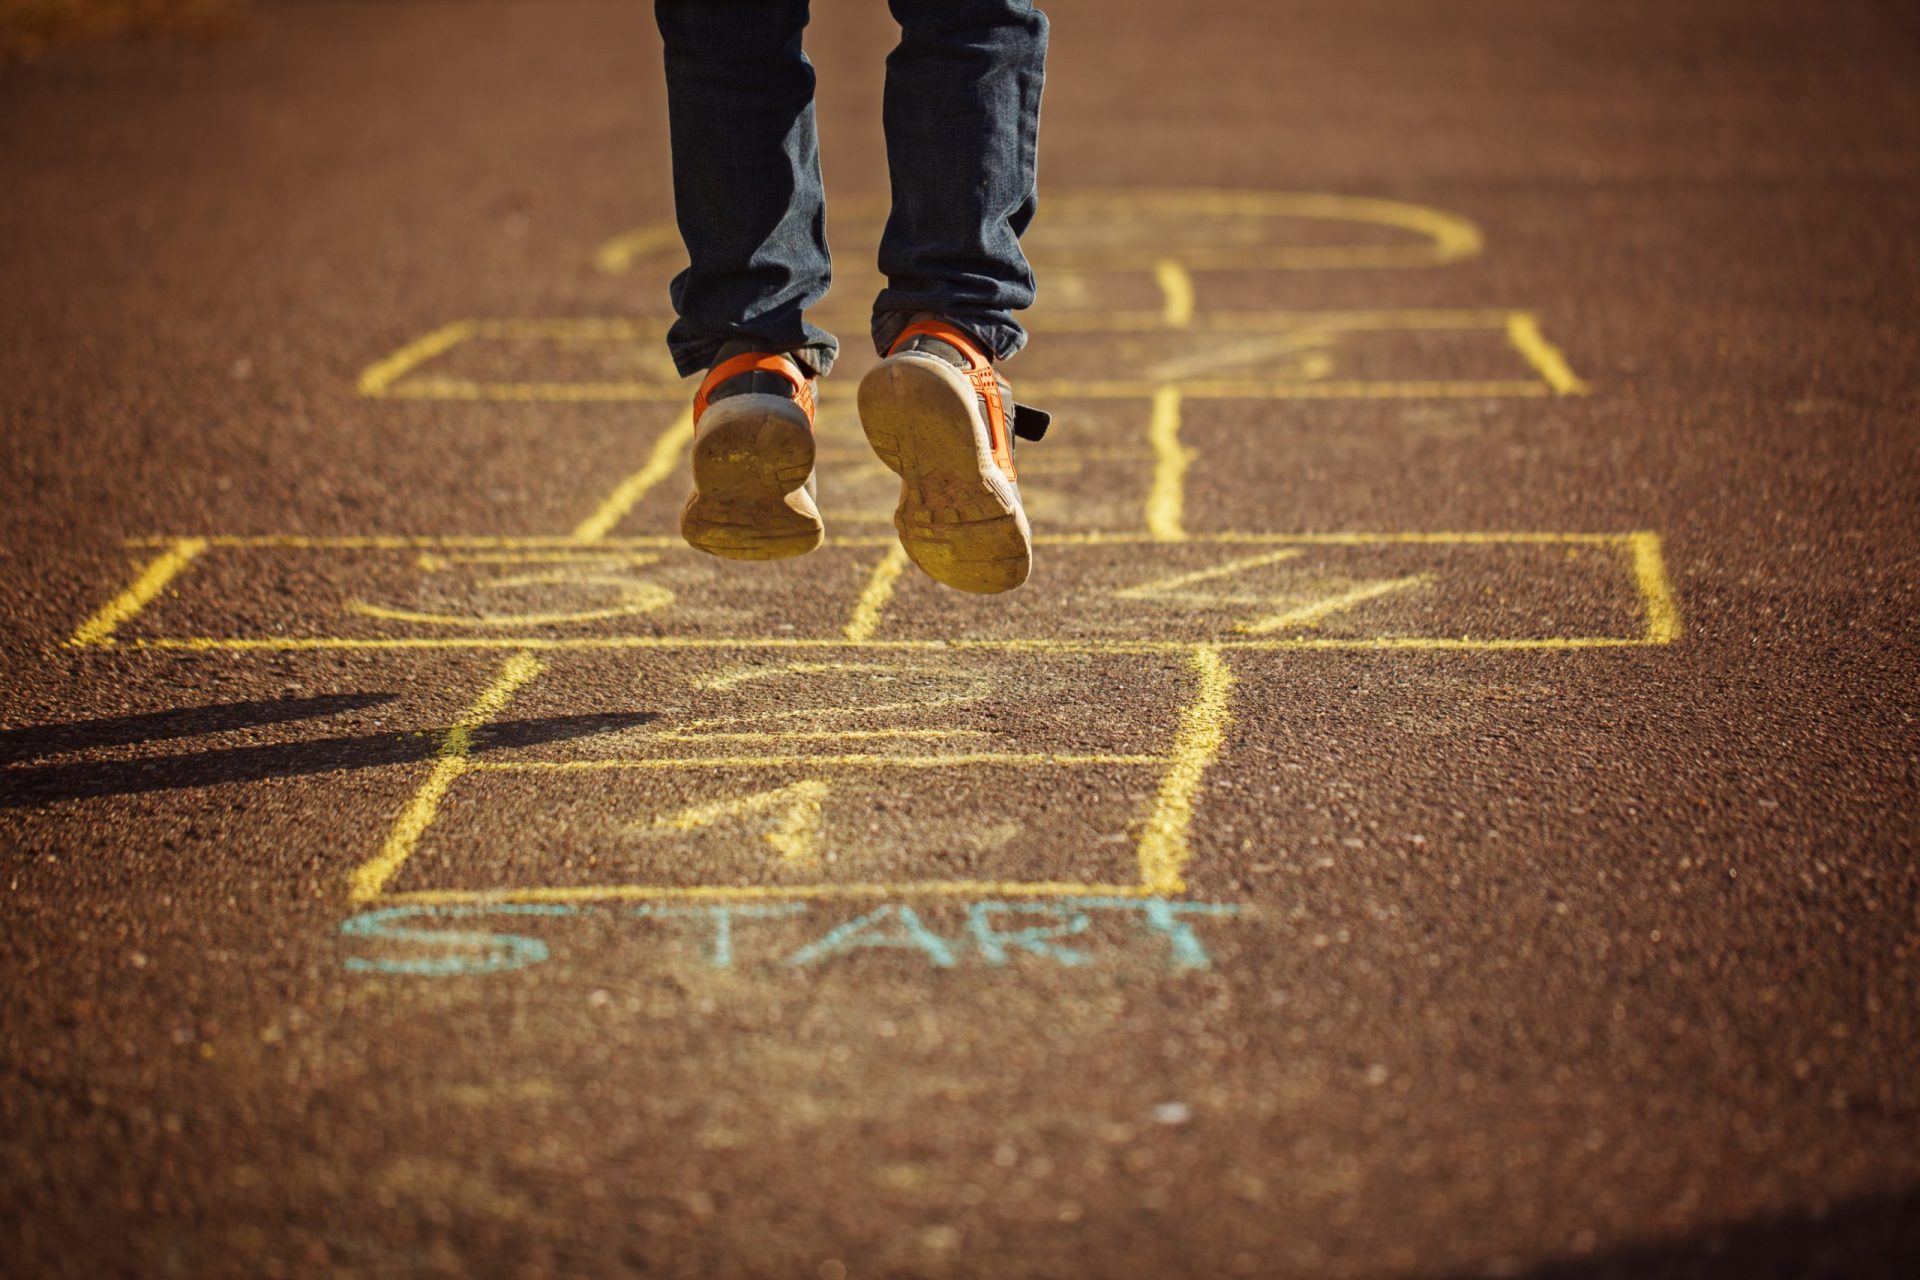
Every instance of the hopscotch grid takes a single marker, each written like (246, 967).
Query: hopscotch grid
(1161, 853)
(1163, 848)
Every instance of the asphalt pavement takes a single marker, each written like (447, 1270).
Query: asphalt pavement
(1444, 804)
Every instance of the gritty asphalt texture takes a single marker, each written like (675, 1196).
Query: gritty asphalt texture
(1549, 962)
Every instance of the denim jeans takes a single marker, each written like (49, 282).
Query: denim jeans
(962, 116)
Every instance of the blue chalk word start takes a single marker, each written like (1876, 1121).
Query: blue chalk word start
(414, 940)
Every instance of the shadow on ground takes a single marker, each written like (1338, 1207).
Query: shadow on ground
(81, 780)
(1872, 1238)
(182, 722)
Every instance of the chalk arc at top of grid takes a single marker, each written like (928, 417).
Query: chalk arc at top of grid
(1125, 231)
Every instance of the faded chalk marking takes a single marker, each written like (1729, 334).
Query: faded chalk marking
(1315, 612)
(795, 810)
(864, 931)
(1291, 355)
(719, 948)
(1176, 291)
(1308, 613)
(1176, 585)
(617, 254)
(1164, 918)
(1165, 846)
(512, 392)
(1167, 499)
(744, 675)
(1523, 331)
(453, 759)
(1656, 591)
(859, 760)
(414, 948)
(634, 597)
(662, 460)
(973, 687)
(378, 378)
(995, 945)
(458, 951)
(875, 595)
(160, 571)
(435, 562)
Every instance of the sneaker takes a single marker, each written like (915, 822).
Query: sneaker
(753, 485)
(943, 420)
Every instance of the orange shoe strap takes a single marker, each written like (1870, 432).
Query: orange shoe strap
(951, 334)
(756, 362)
(979, 372)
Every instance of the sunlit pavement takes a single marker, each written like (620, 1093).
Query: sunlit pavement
(1444, 804)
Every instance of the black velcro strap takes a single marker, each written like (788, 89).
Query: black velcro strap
(1030, 423)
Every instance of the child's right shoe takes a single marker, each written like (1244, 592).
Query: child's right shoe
(753, 488)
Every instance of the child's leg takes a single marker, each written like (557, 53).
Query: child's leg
(746, 180)
(962, 118)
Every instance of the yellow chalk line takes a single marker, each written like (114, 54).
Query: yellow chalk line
(453, 758)
(817, 735)
(875, 595)
(1254, 390)
(753, 893)
(1167, 498)
(409, 542)
(161, 570)
(1656, 590)
(1523, 331)
(796, 836)
(1176, 289)
(618, 253)
(294, 644)
(975, 759)
(1081, 322)
(584, 392)
(378, 378)
(1173, 276)
(1174, 585)
(599, 392)
(1309, 615)
(662, 461)
(1164, 842)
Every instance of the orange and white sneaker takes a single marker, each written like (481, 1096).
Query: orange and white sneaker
(943, 420)
(753, 485)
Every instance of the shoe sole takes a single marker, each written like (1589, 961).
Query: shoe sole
(752, 455)
(959, 517)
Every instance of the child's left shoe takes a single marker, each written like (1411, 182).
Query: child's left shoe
(943, 420)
